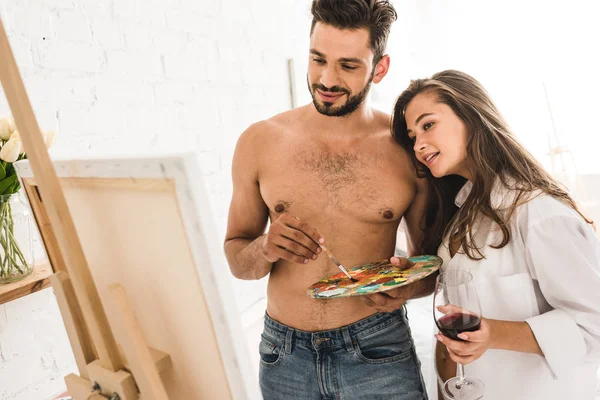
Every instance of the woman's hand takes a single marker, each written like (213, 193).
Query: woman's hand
(474, 345)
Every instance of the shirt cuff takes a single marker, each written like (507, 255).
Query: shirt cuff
(560, 339)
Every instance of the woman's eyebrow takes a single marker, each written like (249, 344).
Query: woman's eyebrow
(419, 119)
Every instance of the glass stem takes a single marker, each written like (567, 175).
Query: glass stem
(461, 376)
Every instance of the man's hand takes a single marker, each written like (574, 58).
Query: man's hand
(474, 345)
(292, 240)
(391, 300)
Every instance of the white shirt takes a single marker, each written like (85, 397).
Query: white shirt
(549, 276)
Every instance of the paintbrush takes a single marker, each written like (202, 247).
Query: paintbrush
(339, 264)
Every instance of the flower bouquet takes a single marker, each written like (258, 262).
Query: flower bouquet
(16, 247)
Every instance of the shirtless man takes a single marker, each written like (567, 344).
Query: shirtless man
(329, 173)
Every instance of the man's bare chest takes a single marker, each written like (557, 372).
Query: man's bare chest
(350, 184)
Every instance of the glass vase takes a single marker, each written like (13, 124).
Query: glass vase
(16, 240)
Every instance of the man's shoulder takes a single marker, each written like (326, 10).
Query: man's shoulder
(273, 126)
(382, 118)
(288, 118)
(258, 133)
(399, 157)
(383, 132)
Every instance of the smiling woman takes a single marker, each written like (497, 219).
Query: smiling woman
(515, 229)
(438, 134)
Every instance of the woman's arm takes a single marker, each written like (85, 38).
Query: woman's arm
(563, 255)
(493, 334)
(513, 336)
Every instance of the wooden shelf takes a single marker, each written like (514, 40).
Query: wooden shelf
(37, 280)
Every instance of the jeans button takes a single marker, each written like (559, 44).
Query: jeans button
(318, 341)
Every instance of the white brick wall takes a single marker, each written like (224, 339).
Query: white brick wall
(141, 76)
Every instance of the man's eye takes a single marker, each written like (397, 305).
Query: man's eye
(349, 67)
(427, 126)
(319, 60)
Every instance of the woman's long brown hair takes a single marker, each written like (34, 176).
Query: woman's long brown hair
(492, 151)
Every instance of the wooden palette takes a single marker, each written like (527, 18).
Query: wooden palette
(373, 278)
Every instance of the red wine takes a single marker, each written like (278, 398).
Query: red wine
(453, 324)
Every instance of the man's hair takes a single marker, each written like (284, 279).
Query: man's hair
(374, 15)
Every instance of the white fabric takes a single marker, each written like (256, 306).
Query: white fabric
(549, 276)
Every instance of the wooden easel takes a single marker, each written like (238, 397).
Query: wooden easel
(131, 370)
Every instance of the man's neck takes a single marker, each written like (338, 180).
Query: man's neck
(350, 123)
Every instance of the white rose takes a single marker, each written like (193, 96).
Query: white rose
(13, 124)
(11, 150)
(4, 128)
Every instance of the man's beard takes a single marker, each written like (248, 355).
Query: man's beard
(327, 108)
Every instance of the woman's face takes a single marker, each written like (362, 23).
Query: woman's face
(439, 136)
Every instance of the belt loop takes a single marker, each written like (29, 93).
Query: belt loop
(404, 313)
(347, 339)
(288, 341)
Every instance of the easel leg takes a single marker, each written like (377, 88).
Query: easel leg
(90, 369)
(79, 336)
(139, 357)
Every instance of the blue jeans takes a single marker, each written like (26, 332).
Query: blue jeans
(373, 359)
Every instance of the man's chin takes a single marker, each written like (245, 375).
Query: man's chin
(329, 112)
(328, 109)
(328, 104)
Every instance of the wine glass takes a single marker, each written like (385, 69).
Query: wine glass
(456, 309)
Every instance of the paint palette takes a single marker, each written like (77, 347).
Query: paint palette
(373, 278)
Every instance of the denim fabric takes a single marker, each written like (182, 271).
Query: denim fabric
(372, 359)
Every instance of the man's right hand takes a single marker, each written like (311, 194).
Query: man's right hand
(292, 240)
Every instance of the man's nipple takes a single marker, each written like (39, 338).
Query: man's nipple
(388, 214)
(279, 208)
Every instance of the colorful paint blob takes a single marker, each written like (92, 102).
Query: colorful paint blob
(373, 278)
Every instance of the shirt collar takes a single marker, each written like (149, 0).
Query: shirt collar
(501, 196)
(463, 194)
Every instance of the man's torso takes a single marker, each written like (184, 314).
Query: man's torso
(353, 192)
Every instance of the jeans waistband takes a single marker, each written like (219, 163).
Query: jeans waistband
(339, 337)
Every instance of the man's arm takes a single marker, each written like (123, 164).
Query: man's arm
(248, 213)
(414, 217)
(413, 226)
(249, 251)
